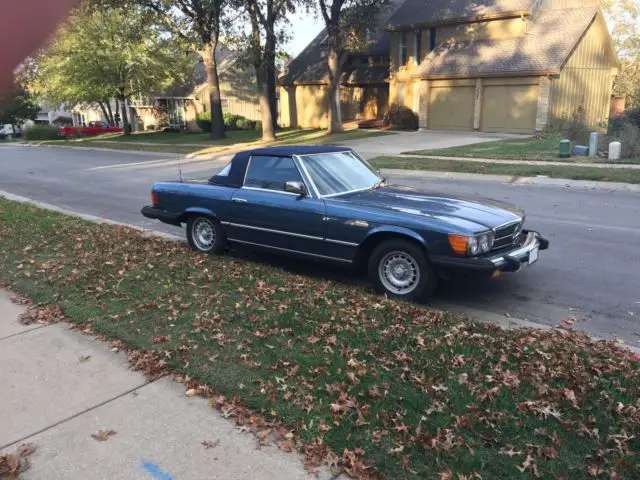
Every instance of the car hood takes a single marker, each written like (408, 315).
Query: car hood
(463, 212)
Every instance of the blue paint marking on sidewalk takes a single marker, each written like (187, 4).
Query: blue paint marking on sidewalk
(155, 471)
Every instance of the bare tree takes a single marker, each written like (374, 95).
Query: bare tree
(264, 16)
(348, 23)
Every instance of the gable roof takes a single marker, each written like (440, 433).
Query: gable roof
(430, 12)
(544, 48)
(310, 66)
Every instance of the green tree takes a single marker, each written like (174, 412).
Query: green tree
(348, 23)
(17, 106)
(201, 23)
(105, 53)
(627, 82)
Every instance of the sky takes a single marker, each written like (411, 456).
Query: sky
(304, 28)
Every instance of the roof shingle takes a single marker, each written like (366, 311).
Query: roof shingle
(424, 12)
(544, 47)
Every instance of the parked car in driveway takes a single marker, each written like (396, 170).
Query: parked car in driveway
(327, 203)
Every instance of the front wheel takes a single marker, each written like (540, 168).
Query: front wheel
(401, 270)
(205, 235)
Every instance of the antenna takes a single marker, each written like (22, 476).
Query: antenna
(180, 168)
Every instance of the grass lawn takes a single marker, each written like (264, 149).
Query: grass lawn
(624, 175)
(346, 376)
(200, 142)
(540, 149)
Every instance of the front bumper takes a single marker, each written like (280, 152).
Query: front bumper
(162, 215)
(505, 261)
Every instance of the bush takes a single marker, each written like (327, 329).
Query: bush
(626, 130)
(258, 126)
(41, 132)
(231, 121)
(150, 127)
(245, 124)
(204, 121)
(629, 117)
(401, 117)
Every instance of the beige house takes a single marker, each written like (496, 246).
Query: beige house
(178, 107)
(488, 65)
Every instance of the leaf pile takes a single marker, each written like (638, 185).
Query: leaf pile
(12, 464)
(372, 386)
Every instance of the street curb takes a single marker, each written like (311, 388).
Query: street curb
(515, 180)
(477, 315)
(504, 161)
(90, 218)
(114, 150)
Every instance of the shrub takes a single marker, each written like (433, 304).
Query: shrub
(245, 124)
(150, 127)
(401, 117)
(231, 121)
(258, 126)
(41, 132)
(204, 121)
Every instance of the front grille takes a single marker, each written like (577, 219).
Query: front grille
(507, 235)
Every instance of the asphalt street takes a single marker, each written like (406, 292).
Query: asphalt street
(590, 273)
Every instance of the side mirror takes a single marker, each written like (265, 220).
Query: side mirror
(298, 188)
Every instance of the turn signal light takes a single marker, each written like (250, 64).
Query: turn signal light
(459, 243)
(154, 198)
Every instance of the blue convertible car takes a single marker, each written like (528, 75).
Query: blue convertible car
(328, 203)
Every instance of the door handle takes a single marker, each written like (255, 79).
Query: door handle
(239, 200)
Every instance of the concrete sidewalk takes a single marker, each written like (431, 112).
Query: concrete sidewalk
(60, 386)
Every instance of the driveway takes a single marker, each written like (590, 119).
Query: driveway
(591, 272)
(422, 140)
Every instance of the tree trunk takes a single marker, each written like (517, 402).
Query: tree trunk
(268, 130)
(270, 71)
(104, 111)
(335, 115)
(125, 117)
(111, 120)
(208, 54)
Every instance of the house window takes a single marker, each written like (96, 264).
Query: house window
(403, 49)
(224, 103)
(417, 44)
(432, 39)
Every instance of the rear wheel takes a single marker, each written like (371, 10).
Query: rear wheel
(401, 269)
(205, 235)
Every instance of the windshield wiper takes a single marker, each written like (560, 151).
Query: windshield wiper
(381, 183)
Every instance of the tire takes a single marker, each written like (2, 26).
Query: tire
(409, 275)
(205, 235)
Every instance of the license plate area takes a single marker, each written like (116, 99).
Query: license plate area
(533, 256)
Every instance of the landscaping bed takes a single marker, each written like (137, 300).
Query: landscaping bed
(623, 175)
(379, 387)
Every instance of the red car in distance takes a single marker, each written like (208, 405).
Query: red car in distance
(92, 129)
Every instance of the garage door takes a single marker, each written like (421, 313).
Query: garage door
(451, 108)
(509, 108)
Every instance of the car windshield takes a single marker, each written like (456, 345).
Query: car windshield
(338, 173)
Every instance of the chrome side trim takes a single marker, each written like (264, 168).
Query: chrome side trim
(281, 192)
(268, 230)
(291, 251)
(340, 242)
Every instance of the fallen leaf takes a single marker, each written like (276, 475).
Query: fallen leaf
(192, 392)
(103, 435)
(84, 358)
(208, 444)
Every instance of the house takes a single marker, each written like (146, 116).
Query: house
(178, 107)
(518, 66)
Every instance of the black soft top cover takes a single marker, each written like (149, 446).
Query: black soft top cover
(235, 179)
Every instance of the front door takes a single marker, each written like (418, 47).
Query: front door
(262, 213)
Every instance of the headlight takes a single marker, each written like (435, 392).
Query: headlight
(471, 245)
(485, 241)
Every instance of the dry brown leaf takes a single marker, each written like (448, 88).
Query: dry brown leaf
(103, 435)
(208, 444)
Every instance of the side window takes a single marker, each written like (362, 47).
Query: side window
(271, 173)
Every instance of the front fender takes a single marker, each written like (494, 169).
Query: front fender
(391, 229)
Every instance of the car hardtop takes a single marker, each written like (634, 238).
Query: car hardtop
(238, 165)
